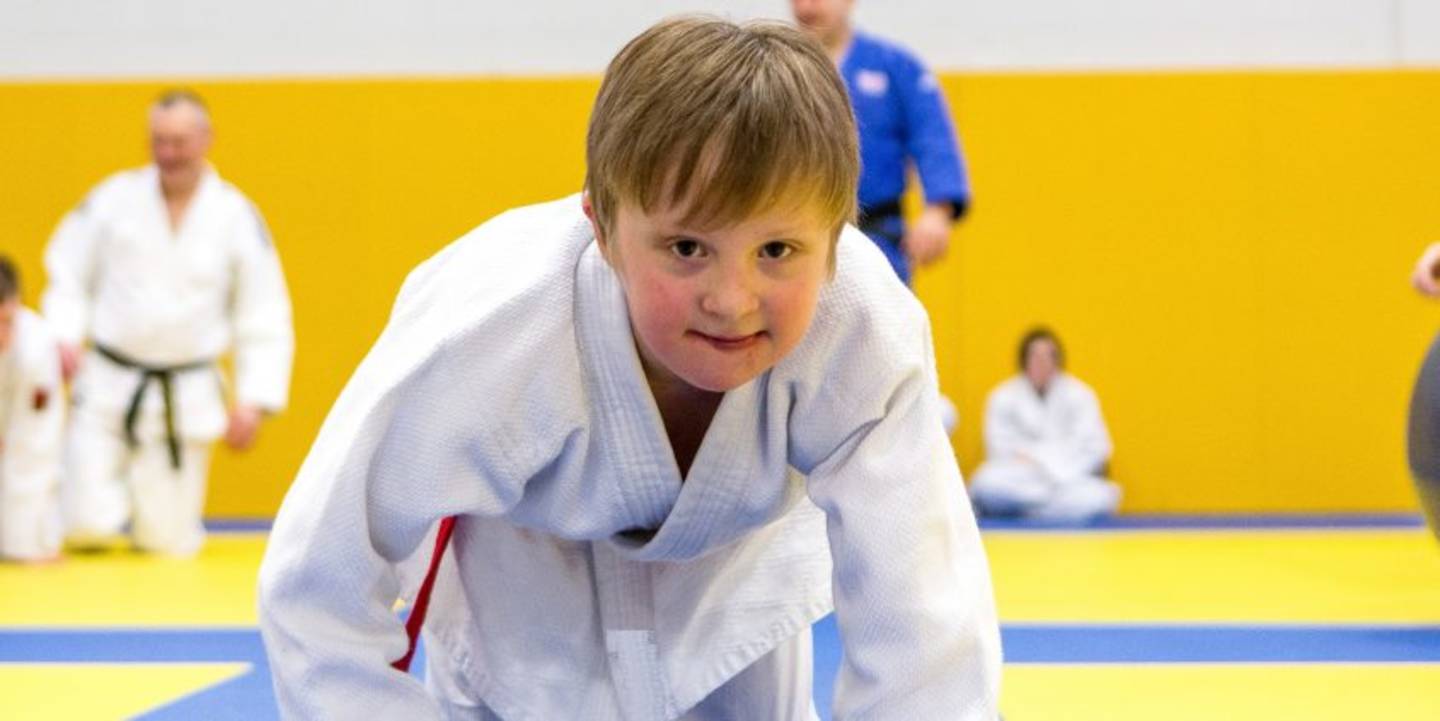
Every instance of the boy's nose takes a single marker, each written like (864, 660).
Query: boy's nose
(730, 298)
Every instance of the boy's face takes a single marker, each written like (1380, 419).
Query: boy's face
(716, 308)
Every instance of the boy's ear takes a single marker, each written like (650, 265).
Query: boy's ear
(589, 209)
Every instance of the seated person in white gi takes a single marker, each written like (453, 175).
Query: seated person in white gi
(656, 412)
(162, 270)
(1046, 446)
(31, 426)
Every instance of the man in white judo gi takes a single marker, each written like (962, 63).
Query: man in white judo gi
(1046, 445)
(31, 428)
(656, 414)
(162, 270)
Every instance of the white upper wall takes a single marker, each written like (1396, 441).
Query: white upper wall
(1417, 24)
(189, 38)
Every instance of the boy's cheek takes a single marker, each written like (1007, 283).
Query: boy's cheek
(801, 308)
(662, 294)
(661, 307)
(800, 299)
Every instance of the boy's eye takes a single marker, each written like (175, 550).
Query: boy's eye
(685, 248)
(775, 250)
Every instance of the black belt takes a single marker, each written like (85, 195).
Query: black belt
(875, 212)
(873, 220)
(165, 375)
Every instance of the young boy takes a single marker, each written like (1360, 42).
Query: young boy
(31, 425)
(648, 407)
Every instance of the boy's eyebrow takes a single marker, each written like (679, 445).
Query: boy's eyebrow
(785, 235)
(788, 233)
(785, 227)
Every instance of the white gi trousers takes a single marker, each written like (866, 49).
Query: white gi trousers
(108, 483)
(30, 524)
(1012, 487)
(32, 418)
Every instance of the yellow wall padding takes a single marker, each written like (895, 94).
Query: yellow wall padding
(1225, 255)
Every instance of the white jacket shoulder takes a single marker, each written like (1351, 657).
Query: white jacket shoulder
(234, 199)
(36, 352)
(1015, 386)
(527, 253)
(1073, 388)
(863, 308)
(117, 190)
(868, 344)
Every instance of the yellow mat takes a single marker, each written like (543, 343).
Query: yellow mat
(1292, 576)
(124, 588)
(1307, 576)
(1393, 692)
(44, 692)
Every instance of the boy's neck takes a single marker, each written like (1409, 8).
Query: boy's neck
(686, 412)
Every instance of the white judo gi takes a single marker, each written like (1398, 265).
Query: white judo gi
(507, 389)
(148, 296)
(1045, 455)
(32, 419)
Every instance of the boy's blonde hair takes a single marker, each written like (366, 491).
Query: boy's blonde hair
(725, 121)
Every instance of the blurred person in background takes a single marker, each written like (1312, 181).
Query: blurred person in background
(162, 270)
(902, 119)
(1046, 445)
(1424, 435)
(31, 429)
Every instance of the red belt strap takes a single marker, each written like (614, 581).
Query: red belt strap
(422, 599)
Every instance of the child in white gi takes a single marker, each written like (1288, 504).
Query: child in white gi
(31, 428)
(649, 407)
(1046, 444)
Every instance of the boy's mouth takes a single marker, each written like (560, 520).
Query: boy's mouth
(730, 342)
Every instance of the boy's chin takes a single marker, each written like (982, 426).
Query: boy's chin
(723, 383)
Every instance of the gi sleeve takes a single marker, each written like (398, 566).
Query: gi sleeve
(260, 310)
(931, 141)
(70, 266)
(32, 431)
(405, 445)
(912, 585)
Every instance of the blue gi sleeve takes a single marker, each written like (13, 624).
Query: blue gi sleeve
(931, 142)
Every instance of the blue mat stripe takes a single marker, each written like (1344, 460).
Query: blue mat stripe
(1121, 523)
(1130, 522)
(1024, 643)
(188, 645)
(1164, 522)
(1221, 644)
(237, 525)
(249, 696)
